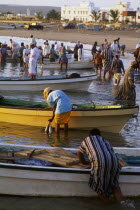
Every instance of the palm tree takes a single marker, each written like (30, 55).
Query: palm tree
(114, 14)
(95, 15)
(39, 15)
(53, 14)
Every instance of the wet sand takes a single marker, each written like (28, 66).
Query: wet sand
(128, 37)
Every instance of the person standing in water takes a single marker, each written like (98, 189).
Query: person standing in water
(33, 61)
(61, 106)
(117, 67)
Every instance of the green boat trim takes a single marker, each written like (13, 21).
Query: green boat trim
(43, 105)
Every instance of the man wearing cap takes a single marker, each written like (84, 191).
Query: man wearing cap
(61, 105)
(33, 61)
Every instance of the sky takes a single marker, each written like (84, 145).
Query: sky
(59, 3)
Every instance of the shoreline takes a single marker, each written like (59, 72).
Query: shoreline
(129, 38)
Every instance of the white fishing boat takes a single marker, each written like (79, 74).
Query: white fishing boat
(59, 82)
(75, 65)
(17, 178)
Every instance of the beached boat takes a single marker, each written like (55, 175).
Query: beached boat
(61, 82)
(11, 60)
(75, 65)
(106, 118)
(19, 178)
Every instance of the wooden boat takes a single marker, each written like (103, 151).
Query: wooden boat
(67, 181)
(75, 65)
(106, 118)
(69, 56)
(61, 82)
(11, 60)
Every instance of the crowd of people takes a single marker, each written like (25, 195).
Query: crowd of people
(29, 55)
(106, 58)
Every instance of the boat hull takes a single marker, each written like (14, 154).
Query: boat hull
(76, 84)
(71, 66)
(59, 182)
(111, 120)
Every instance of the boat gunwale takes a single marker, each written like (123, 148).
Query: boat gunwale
(28, 107)
(44, 78)
(63, 169)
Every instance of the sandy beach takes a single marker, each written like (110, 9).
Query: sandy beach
(128, 37)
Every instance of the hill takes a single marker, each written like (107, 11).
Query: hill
(16, 9)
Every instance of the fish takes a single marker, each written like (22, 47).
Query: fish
(48, 129)
(33, 162)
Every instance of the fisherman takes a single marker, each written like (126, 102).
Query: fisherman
(26, 53)
(61, 106)
(53, 54)
(56, 47)
(3, 53)
(105, 167)
(98, 62)
(117, 67)
(107, 57)
(137, 57)
(15, 51)
(115, 48)
(105, 43)
(62, 57)
(76, 51)
(32, 40)
(46, 49)
(33, 61)
(122, 49)
(22, 47)
(127, 90)
(94, 49)
(81, 53)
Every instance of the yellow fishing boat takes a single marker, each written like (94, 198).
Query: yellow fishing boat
(106, 118)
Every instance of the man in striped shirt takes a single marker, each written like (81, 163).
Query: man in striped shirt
(107, 56)
(105, 167)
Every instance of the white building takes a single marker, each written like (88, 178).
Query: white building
(138, 15)
(80, 13)
(123, 6)
(83, 12)
(28, 12)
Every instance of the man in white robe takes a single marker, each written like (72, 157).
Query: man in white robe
(33, 61)
(46, 49)
(56, 47)
(115, 48)
(32, 40)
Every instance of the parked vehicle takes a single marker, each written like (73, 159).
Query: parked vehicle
(33, 26)
(68, 25)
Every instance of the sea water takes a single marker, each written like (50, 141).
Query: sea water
(100, 92)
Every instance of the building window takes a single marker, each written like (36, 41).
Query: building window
(63, 12)
(81, 12)
(138, 17)
(74, 12)
(86, 12)
(69, 11)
